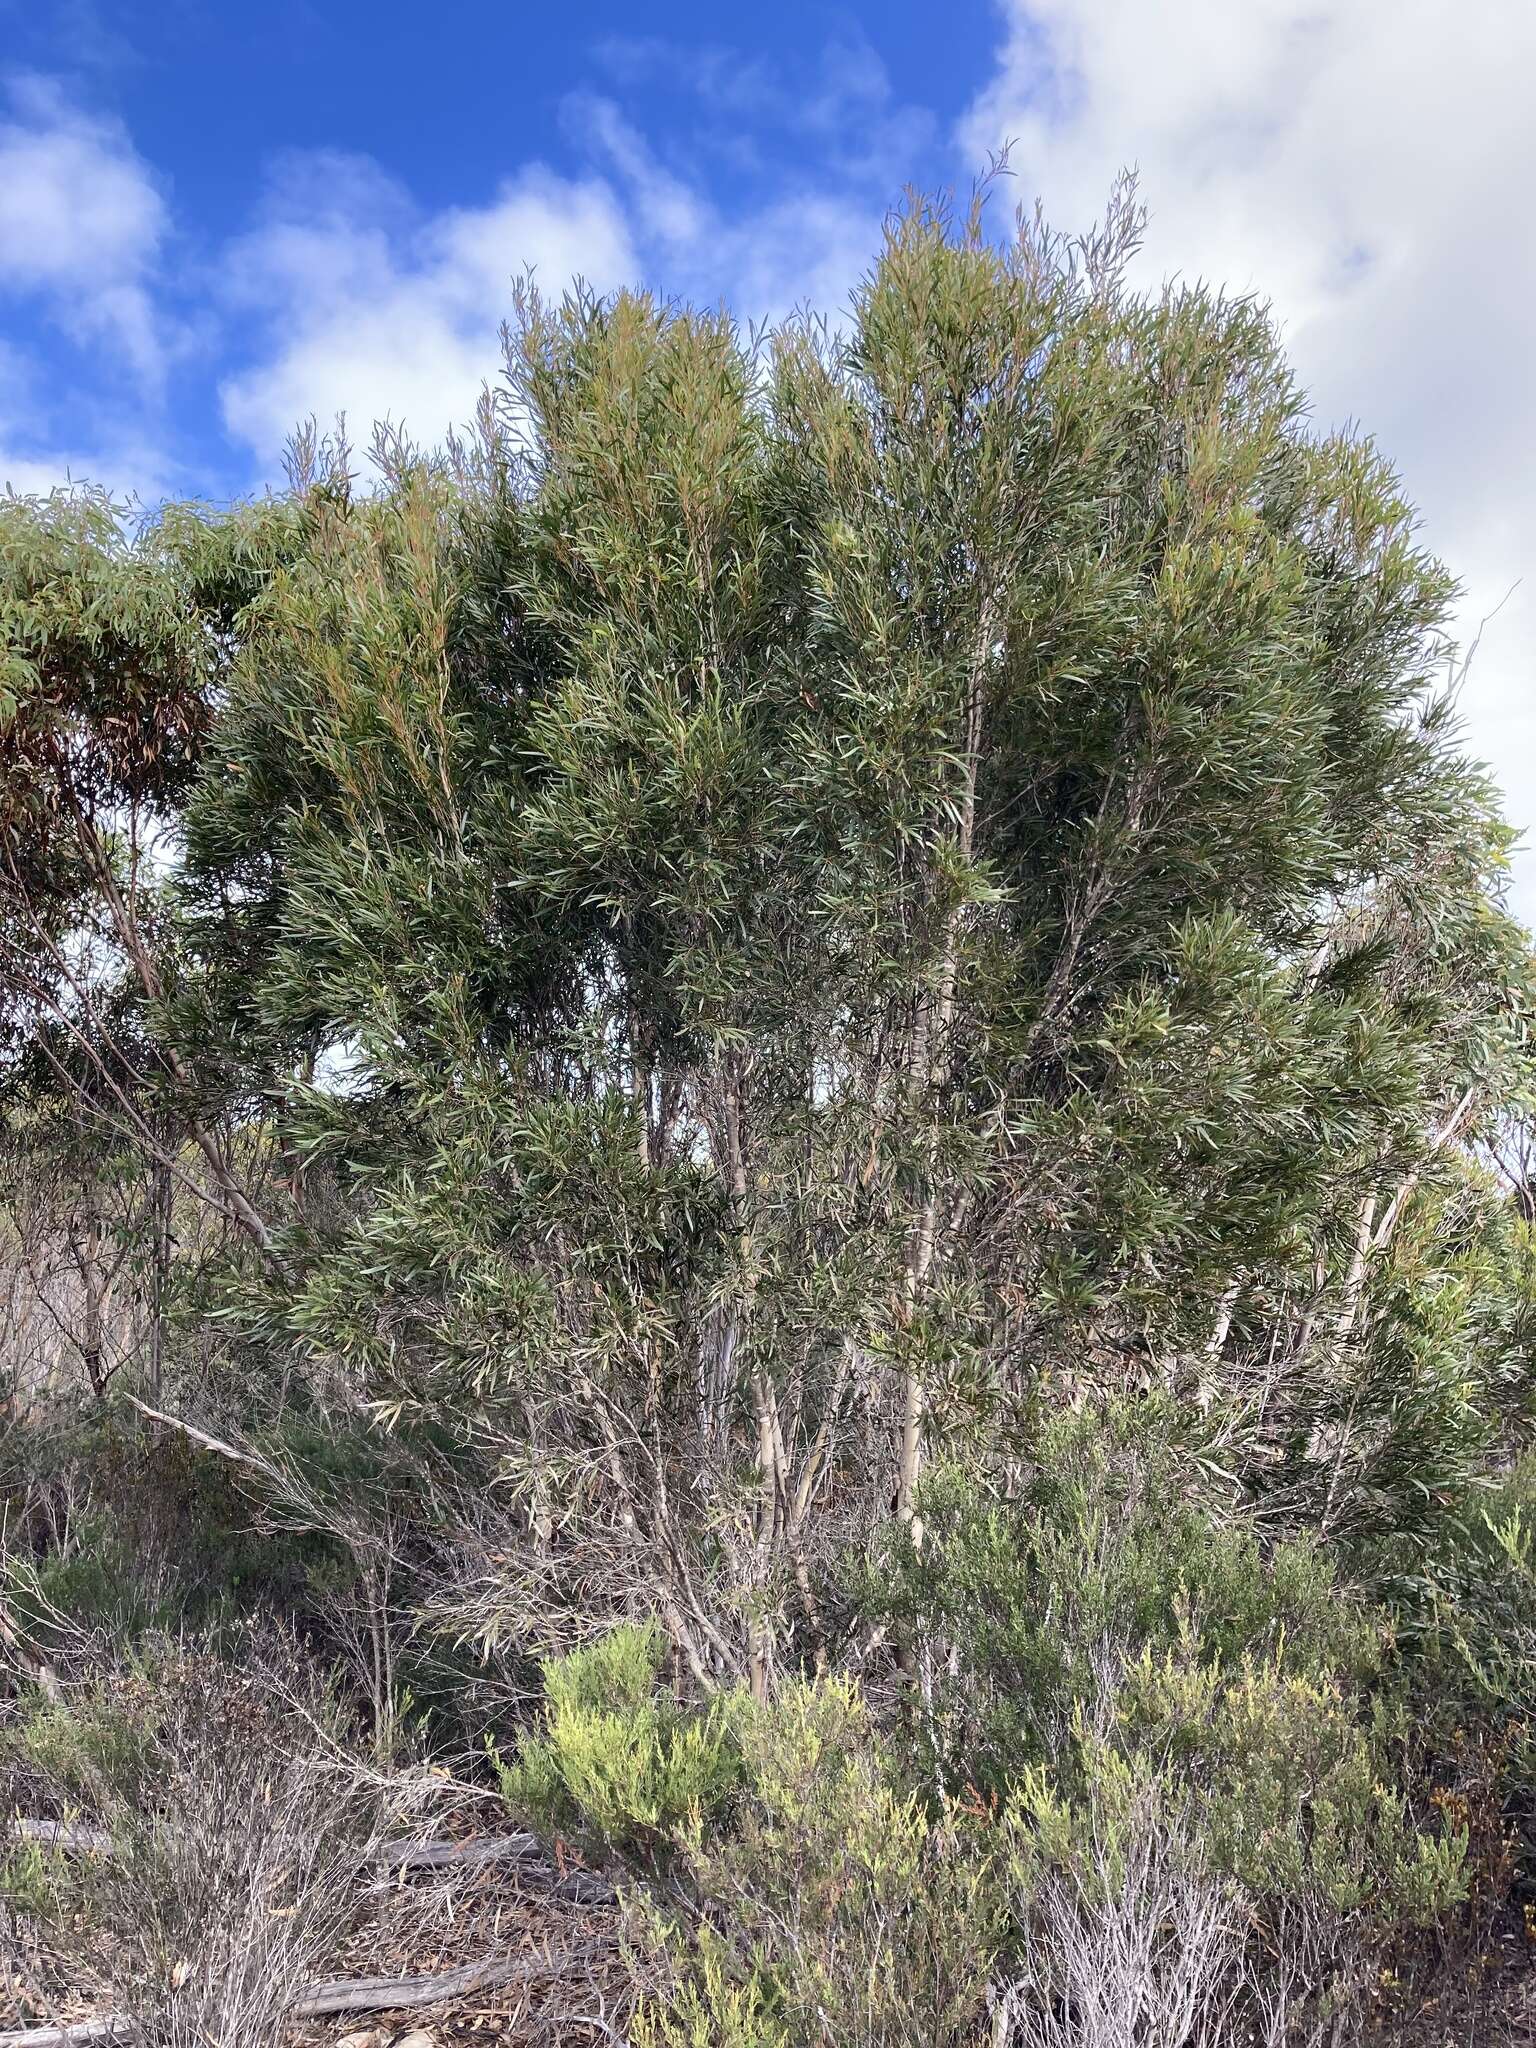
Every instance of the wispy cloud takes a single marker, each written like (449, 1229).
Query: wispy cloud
(360, 304)
(804, 242)
(836, 101)
(82, 223)
(354, 299)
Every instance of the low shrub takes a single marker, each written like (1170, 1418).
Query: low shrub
(241, 1834)
(1021, 1610)
(834, 1908)
(1149, 1779)
(617, 1761)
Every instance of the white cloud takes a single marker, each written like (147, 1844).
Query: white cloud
(805, 244)
(132, 471)
(665, 206)
(361, 304)
(1367, 165)
(82, 221)
(371, 311)
(110, 446)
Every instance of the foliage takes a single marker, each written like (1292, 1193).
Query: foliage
(825, 1006)
(1029, 1610)
(844, 1911)
(615, 1756)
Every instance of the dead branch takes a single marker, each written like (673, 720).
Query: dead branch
(333, 1995)
(113, 2028)
(398, 1994)
(409, 1855)
(402, 1855)
(61, 1835)
(202, 1439)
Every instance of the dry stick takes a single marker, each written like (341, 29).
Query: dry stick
(74, 1840)
(64, 1836)
(204, 1442)
(518, 1848)
(333, 1995)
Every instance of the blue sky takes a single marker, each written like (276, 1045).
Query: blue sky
(215, 219)
(250, 150)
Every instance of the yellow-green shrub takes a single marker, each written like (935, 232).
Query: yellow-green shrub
(843, 1910)
(617, 1759)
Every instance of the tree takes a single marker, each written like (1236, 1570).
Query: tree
(112, 647)
(852, 878)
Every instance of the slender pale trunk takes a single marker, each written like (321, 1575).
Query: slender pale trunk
(1215, 1344)
(1387, 1228)
(94, 1287)
(160, 1278)
(936, 1059)
(737, 1340)
(1221, 1330)
(1354, 1279)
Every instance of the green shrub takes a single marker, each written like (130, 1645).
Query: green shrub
(74, 1756)
(1215, 1831)
(1264, 1870)
(1024, 1611)
(617, 1760)
(1289, 1782)
(33, 1880)
(836, 1908)
(1169, 1710)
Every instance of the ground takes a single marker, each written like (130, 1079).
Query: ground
(557, 1927)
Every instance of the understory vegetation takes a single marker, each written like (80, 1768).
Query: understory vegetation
(783, 1110)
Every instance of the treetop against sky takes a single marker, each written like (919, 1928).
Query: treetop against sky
(214, 221)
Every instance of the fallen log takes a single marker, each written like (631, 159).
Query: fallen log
(518, 1848)
(113, 2028)
(399, 1994)
(334, 1995)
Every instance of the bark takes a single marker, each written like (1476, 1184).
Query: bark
(399, 1994)
(937, 1060)
(114, 2027)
